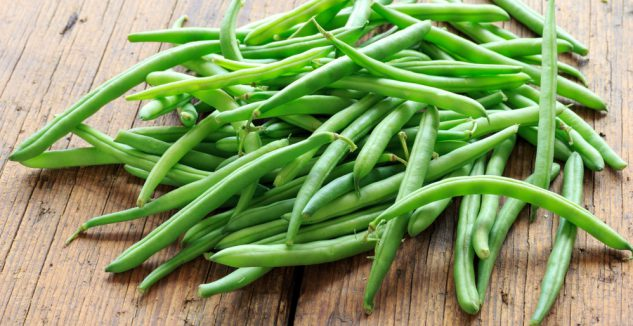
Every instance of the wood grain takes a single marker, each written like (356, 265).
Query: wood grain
(43, 71)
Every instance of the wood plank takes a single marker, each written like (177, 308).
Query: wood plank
(43, 72)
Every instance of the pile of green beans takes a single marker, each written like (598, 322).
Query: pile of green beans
(264, 164)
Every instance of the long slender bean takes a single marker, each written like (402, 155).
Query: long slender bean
(379, 138)
(496, 185)
(464, 255)
(89, 104)
(73, 157)
(228, 39)
(490, 203)
(558, 261)
(393, 233)
(536, 23)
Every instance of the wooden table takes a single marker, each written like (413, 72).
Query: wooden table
(53, 52)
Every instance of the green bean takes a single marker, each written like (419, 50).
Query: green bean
(442, 135)
(311, 104)
(286, 48)
(340, 226)
(591, 157)
(324, 18)
(268, 71)
(237, 279)
(393, 233)
(413, 92)
(490, 203)
(380, 192)
(280, 129)
(524, 117)
(434, 52)
(290, 189)
(506, 217)
(378, 36)
(406, 53)
(424, 216)
(277, 255)
(187, 115)
(487, 33)
(228, 38)
(332, 155)
(174, 154)
(142, 174)
(170, 134)
(559, 258)
(478, 54)
(213, 197)
(441, 12)
(464, 255)
(204, 68)
(379, 138)
(561, 150)
(180, 172)
(257, 96)
(209, 224)
(547, 105)
(233, 65)
(522, 47)
(343, 185)
(161, 106)
(536, 23)
(305, 122)
(180, 197)
(334, 124)
(343, 66)
(252, 142)
(444, 68)
(253, 233)
(215, 97)
(231, 144)
(182, 35)
(89, 104)
(503, 186)
(73, 157)
(380, 69)
(153, 146)
(260, 214)
(563, 68)
(187, 254)
(584, 129)
(268, 31)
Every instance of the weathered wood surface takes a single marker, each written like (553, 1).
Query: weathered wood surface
(44, 68)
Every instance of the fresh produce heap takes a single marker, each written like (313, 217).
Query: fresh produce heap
(339, 128)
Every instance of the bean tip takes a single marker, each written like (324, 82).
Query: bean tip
(368, 308)
(74, 235)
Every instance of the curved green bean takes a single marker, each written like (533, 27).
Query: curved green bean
(496, 185)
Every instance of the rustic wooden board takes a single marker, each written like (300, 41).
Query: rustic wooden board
(44, 69)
